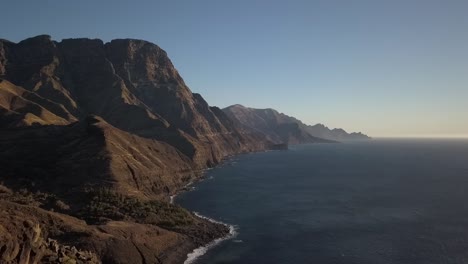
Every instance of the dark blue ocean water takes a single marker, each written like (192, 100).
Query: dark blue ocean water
(377, 202)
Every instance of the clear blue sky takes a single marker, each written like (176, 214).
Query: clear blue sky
(386, 68)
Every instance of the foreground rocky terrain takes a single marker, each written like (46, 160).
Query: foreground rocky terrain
(94, 137)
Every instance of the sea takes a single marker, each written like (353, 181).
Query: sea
(382, 201)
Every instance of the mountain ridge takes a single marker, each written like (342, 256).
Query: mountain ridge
(268, 119)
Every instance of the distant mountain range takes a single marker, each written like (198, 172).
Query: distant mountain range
(280, 127)
(338, 134)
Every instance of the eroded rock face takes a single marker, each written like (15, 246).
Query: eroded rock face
(156, 132)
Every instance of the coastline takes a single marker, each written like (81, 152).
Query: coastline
(192, 256)
(202, 250)
(196, 253)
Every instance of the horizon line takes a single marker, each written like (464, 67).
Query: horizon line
(455, 136)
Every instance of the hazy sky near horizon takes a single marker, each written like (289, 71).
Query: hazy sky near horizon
(383, 67)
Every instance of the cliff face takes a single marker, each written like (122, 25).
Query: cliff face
(132, 87)
(279, 127)
(81, 116)
(283, 128)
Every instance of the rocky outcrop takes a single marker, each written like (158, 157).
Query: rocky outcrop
(33, 235)
(33, 247)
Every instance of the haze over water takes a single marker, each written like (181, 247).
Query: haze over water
(382, 201)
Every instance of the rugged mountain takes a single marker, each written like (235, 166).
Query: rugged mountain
(79, 117)
(337, 134)
(133, 89)
(277, 126)
(283, 128)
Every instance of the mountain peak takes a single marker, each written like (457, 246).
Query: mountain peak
(37, 39)
(239, 106)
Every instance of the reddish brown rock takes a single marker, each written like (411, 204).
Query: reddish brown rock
(156, 134)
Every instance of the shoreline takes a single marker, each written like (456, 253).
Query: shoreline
(191, 257)
(202, 250)
(195, 254)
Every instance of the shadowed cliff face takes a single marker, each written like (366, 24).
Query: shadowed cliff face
(138, 97)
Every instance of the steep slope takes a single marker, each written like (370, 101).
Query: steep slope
(68, 159)
(277, 126)
(132, 86)
(20, 107)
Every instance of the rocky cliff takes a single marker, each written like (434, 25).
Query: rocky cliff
(79, 117)
(337, 134)
(283, 128)
(279, 128)
(134, 96)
